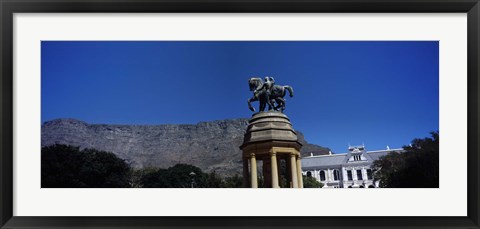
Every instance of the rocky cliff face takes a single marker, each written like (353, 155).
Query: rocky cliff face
(207, 145)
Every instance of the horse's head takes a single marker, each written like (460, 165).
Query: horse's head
(254, 83)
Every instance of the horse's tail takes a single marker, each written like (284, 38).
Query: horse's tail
(289, 89)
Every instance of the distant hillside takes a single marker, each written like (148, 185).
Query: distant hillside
(207, 145)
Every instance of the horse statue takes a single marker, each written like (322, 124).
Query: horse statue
(268, 95)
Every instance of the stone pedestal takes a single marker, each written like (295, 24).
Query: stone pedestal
(271, 138)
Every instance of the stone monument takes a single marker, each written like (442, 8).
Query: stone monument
(270, 138)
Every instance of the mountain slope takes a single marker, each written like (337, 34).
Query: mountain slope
(207, 145)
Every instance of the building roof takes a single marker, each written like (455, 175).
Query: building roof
(341, 159)
(375, 155)
(323, 160)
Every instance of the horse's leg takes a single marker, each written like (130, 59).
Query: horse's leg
(272, 101)
(275, 95)
(281, 104)
(270, 104)
(249, 103)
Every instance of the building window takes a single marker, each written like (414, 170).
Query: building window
(309, 174)
(336, 175)
(322, 175)
(359, 175)
(369, 174)
(357, 158)
(349, 175)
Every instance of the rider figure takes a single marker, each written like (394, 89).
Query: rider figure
(268, 86)
(270, 91)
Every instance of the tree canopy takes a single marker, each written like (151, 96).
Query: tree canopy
(69, 167)
(185, 176)
(65, 166)
(417, 167)
(177, 176)
(310, 182)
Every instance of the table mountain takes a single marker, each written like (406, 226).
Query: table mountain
(211, 146)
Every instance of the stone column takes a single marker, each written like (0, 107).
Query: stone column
(245, 172)
(274, 170)
(293, 166)
(253, 173)
(299, 172)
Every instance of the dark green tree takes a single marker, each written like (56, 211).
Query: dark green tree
(310, 182)
(154, 178)
(178, 176)
(212, 180)
(60, 166)
(417, 167)
(69, 167)
(234, 181)
(136, 176)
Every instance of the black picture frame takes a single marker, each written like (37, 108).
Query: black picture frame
(9, 7)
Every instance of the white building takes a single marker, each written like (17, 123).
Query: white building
(347, 170)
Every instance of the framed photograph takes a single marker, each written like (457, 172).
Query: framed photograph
(241, 114)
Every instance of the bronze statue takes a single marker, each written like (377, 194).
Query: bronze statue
(267, 93)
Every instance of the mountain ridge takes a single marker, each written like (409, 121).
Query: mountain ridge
(209, 145)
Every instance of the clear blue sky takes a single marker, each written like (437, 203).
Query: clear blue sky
(377, 93)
